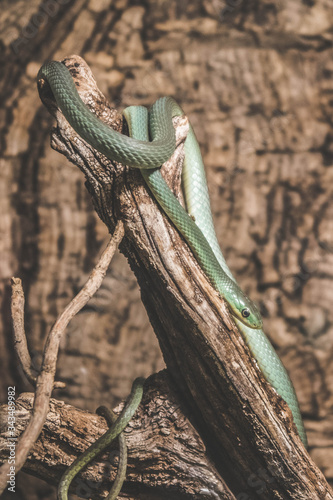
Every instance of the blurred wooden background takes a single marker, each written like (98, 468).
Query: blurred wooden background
(255, 79)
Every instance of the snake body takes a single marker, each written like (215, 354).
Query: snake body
(103, 442)
(198, 205)
(134, 153)
(197, 229)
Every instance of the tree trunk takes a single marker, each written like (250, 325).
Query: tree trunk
(255, 80)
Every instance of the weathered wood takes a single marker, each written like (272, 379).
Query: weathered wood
(166, 456)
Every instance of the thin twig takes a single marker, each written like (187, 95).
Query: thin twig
(45, 379)
(20, 339)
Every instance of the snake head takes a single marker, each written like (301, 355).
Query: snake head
(246, 311)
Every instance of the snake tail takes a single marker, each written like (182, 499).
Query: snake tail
(104, 441)
(111, 419)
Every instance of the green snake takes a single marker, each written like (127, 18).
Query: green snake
(149, 155)
(118, 425)
(152, 142)
(111, 419)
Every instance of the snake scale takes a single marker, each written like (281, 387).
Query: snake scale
(151, 143)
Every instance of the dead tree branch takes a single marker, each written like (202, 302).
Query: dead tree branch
(247, 428)
(167, 458)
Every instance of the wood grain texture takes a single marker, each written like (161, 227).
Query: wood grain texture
(164, 449)
(256, 81)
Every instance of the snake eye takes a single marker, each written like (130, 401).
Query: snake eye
(245, 313)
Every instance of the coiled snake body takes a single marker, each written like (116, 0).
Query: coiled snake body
(148, 155)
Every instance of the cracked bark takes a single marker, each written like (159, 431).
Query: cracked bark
(167, 458)
(245, 425)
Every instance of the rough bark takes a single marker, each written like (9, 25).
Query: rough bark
(255, 79)
(166, 456)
